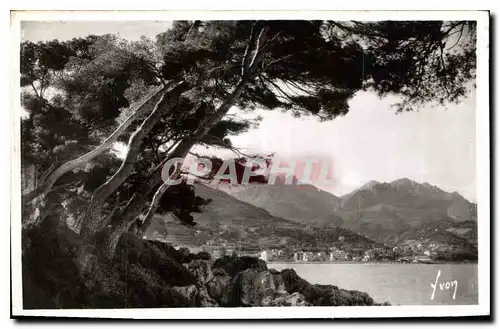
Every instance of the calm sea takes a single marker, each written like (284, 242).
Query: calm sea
(400, 284)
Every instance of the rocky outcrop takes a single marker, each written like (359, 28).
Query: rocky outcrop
(188, 292)
(201, 269)
(294, 299)
(196, 295)
(203, 299)
(249, 288)
(60, 272)
(234, 265)
(218, 284)
(246, 281)
(234, 282)
(323, 295)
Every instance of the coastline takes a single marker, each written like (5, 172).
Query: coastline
(368, 263)
(399, 285)
(153, 274)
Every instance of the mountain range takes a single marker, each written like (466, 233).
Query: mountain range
(377, 210)
(301, 215)
(232, 222)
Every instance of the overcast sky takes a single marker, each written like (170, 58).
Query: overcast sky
(434, 145)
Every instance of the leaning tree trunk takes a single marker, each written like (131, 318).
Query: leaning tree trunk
(137, 202)
(183, 151)
(155, 202)
(92, 221)
(252, 58)
(142, 228)
(45, 186)
(123, 222)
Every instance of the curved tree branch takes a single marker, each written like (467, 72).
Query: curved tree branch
(92, 222)
(45, 186)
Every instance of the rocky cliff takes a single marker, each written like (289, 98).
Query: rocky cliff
(59, 272)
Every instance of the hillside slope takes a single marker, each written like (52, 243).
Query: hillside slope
(379, 211)
(227, 220)
(305, 204)
(382, 210)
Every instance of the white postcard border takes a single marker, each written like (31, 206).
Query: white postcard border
(482, 158)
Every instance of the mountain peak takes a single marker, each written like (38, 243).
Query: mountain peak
(370, 184)
(403, 182)
(432, 187)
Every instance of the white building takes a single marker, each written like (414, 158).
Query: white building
(265, 255)
(298, 256)
(307, 256)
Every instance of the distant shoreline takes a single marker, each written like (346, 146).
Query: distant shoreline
(350, 262)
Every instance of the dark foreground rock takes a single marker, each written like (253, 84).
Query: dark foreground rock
(250, 287)
(234, 265)
(201, 269)
(60, 272)
(218, 284)
(246, 281)
(294, 299)
(323, 295)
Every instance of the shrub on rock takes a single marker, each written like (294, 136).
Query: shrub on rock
(234, 265)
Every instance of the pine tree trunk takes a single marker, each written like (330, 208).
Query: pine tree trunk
(116, 231)
(45, 186)
(135, 207)
(92, 220)
(155, 202)
(249, 71)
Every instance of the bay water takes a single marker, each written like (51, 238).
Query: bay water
(399, 284)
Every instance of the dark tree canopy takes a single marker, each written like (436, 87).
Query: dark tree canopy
(420, 61)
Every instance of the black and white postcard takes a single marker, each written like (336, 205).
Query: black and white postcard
(245, 165)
